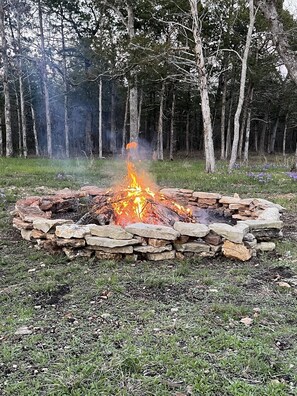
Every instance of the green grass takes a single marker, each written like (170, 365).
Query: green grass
(167, 328)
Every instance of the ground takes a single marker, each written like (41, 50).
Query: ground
(195, 327)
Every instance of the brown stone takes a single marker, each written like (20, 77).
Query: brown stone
(206, 195)
(195, 247)
(152, 231)
(151, 249)
(93, 190)
(161, 256)
(30, 213)
(121, 249)
(46, 225)
(236, 251)
(37, 234)
(73, 253)
(28, 201)
(110, 243)
(110, 231)
(21, 225)
(107, 256)
(207, 201)
(179, 255)
(213, 239)
(71, 242)
(182, 239)
(157, 242)
(229, 200)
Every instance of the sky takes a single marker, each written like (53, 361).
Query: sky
(291, 5)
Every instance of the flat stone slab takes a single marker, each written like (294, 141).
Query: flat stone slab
(265, 246)
(194, 247)
(267, 204)
(46, 225)
(191, 229)
(260, 224)
(108, 242)
(153, 231)
(236, 251)
(229, 200)
(152, 249)
(71, 242)
(271, 214)
(110, 231)
(120, 249)
(206, 195)
(232, 233)
(161, 256)
(72, 231)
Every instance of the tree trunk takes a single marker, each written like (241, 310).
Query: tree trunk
(248, 129)
(100, 143)
(188, 134)
(36, 145)
(242, 86)
(246, 108)
(88, 133)
(273, 136)
(279, 37)
(18, 111)
(124, 138)
(7, 108)
(160, 151)
(139, 110)
(228, 135)
(263, 134)
(172, 135)
(113, 142)
(45, 85)
(65, 82)
(223, 118)
(285, 134)
(203, 88)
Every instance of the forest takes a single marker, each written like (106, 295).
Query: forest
(84, 77)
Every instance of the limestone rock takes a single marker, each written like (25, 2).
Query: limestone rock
(213, 239)
(194, 247)
(110, 231)
(270, 214)
(30, 213)
(21, 225)
(265, 246)
(161, 256)
(110, 243)
(46, 225)
(72, 231)
(232, 233)
(237, 251)
(121, 249)
(259, 224)
(26, 234)
(229, 200)
(157, 242)
(206, 195)
(23, 330)
(107, 256)
(191, 229)
(71, 242)
(152, 249)
(73, 253)
(153, 231)
(267, 204)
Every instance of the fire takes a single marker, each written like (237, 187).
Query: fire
(137, 199)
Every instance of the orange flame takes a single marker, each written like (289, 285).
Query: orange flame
(137, 199)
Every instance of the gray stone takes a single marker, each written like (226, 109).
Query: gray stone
(161, 256)
(110, 243)
(46, 225)
(153, 231)
(110, 231)
(229, 200)
(72, 231)
(121, 249)
(232, 233)
(152, 249)
(249, 237)
(194, 247)
(71, 242)
(267, 204)
(23, 330)
(260, 224)
(265, 246)
(191, 229)
(26, 234)
(206, 195)
(271, 214)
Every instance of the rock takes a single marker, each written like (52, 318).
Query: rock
(121, 249)
(169, 192)
(71, 242)
(110, 231)
(206, 195)
(213, 239)
(229, 200)
(249, 237)
(157, 242)
(94, 190)
(110, 243)
(182, 239)
(179, 256)
(21, 225)
(191, 229)
(271, 214)
(30, 213)
(267, 204)
(232, 233)
(26, 234)
(194, 247)
(73, 253)
(72, 231)
(153, 231)
(237, 251)
(283, 284)
(265, 246)
(23, 330)
(46, 225)
(267, 234)
(107, 256)
(37, 234)
(161, 256)
(152, 249)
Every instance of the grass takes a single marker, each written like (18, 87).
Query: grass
(166, 328)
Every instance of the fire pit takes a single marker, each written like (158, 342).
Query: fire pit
(135, 220)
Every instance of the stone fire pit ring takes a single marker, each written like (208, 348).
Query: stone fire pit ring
(43, 221)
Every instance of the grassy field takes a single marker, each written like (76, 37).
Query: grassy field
(166, 328)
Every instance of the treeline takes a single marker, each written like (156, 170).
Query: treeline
(82, 77)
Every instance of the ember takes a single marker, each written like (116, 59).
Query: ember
(137, 199)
